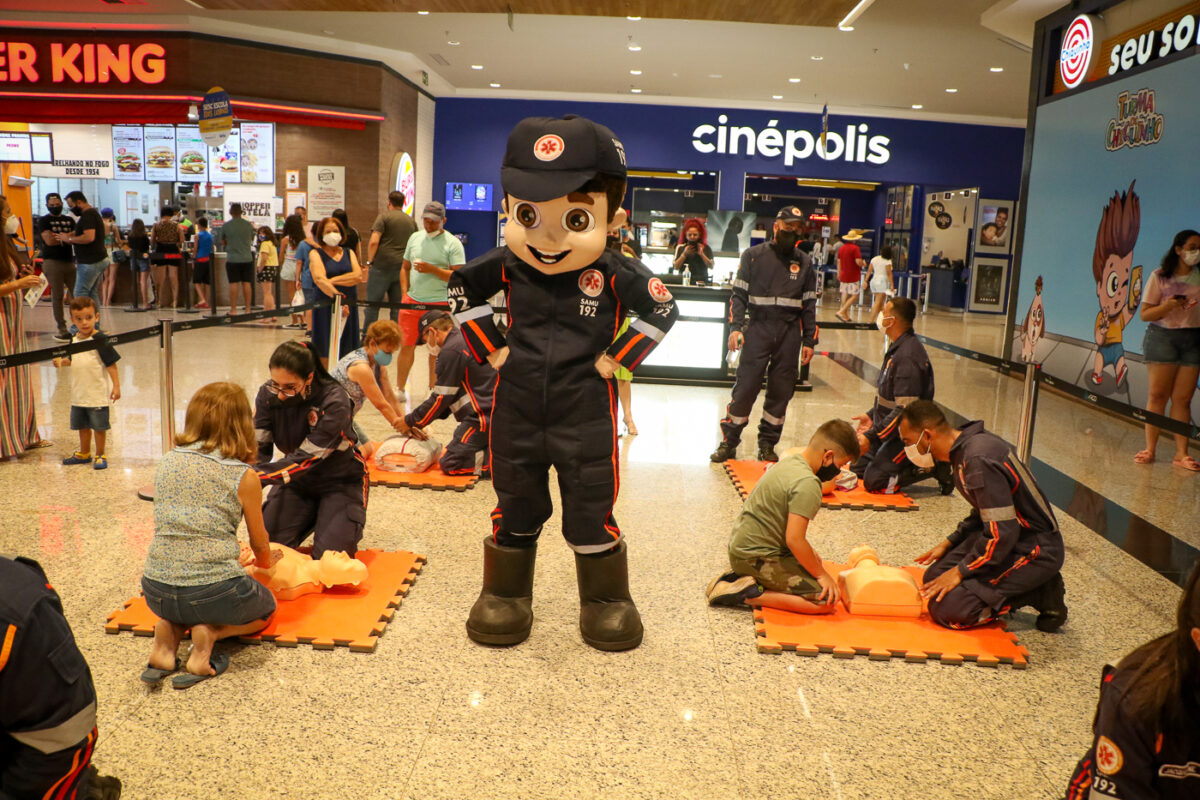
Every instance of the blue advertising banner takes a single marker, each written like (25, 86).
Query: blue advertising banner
(216, 117)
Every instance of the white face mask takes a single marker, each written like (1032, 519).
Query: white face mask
(12, 225)
(1190, 257)
(919, 459)
(434, 349)
(332, 239)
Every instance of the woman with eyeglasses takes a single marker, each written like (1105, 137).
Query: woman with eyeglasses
(321, 480)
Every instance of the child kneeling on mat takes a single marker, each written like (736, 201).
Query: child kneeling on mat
(772, 563)
(192, 578)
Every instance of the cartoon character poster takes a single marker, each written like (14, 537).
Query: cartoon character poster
(1118, 283)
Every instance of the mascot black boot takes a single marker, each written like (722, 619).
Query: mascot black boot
(608, 619)
(503, 614)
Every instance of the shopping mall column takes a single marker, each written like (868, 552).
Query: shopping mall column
(555, 402)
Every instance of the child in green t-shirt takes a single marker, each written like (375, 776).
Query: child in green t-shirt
(772, 563)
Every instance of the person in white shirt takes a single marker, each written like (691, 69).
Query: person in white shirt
(882, 286)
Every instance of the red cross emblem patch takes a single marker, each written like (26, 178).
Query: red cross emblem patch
(1109, 759)
(548, 147)
(591, 282)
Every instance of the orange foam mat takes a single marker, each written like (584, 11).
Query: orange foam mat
(433, 478)
(845, 635)
(745, 475)
(346, 616)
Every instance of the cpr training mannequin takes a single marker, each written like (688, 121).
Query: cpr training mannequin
(555, 402)
(881, 591)
(296, 574)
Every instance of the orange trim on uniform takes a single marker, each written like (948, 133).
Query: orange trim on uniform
(1016, 478)
(1020, 562)
(991, 548)
(59, 789)
(482, 337)
(612, 413)
(1082, 781)
(629, 346)
(6, 648)
(899, 457)
(466, 385)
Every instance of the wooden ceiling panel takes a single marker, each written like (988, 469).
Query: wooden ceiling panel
(817, 13)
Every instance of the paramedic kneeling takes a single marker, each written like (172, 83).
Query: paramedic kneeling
(1008, 552)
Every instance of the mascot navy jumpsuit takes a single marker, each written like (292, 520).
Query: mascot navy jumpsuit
(552, 408)
(782, 300)
(463, 387)
(47, 700)
(1132, 757)
(321, 482)
(906, 376)
(1008, 545)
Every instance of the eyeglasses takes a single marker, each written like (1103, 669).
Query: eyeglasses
(290, 390)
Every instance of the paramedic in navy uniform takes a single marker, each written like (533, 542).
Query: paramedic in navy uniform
(556, 402)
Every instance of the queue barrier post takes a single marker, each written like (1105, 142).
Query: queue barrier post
(166, 397)
(335, 330)
(1029, 400)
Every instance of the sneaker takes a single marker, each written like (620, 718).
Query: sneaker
(735, 592)
(78, 458)
(62, 336)
(724, 452)
(727, 577)
(767, 453)
(100, 463)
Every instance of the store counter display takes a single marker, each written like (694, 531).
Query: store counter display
(947, 288)
(695, 350)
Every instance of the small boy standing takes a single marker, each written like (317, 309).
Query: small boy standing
(94, 384)
(202, 272)
(772, 563)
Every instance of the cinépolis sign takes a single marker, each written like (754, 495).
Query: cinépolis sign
(853, 143)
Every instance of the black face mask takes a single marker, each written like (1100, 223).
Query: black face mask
(74, 210)
(828, 472)
(785, 242)
(54, 209)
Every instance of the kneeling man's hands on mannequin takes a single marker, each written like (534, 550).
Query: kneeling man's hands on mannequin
(497, 357)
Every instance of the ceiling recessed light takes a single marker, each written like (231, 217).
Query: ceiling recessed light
(477, 66)
(635, 48)
(776, 97)
(327, 33)
(423, 13)
(917, 106)
(951, 91)
(453, 43)
(494, 85)
(715, 75)
(635, 72)
(997, 69)
(845, 28)
(634, 19)
(793, 80)
(636, 91)
(817, 58)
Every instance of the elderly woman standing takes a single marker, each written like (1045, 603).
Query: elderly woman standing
(18, 424)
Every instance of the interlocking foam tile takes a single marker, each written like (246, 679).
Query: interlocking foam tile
(846, 635)
(433, 478)
(350, 616)
(745, 475)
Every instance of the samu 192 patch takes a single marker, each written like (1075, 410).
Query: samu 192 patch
(1109, 758)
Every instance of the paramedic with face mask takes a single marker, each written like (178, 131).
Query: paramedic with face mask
(906, 376)
(1008, 553)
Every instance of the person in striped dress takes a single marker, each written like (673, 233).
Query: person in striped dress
(18, 422)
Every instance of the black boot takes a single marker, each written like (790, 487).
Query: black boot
(766, 452)
(1051, 605)
(608, 618)
(503, 614)
(724, 452)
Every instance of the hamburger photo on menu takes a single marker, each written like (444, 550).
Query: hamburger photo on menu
(128, 162)
(161, 157)
(192, 163)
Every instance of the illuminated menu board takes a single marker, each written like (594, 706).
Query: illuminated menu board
(129, 152)
(258, 152)
(178, 153)
(26, 148)
(160, 152)
(225, 162)
(192, 155)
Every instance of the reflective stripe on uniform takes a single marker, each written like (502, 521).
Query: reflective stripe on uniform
(450, 390)
(61, 736)
(308, 447)
(786, 302)
(644, 327)
(738, 420)
(809, 296)
(473, 313)
(998, 514)
(740, 284)
(459, 403)
(263, 435)
(772, 419)
(903, 401)
(884, 402)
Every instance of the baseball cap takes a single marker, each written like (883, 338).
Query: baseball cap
(434, 211)
(427, 319)
(549, 157)
(790, 214)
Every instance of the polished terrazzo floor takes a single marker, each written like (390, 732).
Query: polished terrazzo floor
(696, 711)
